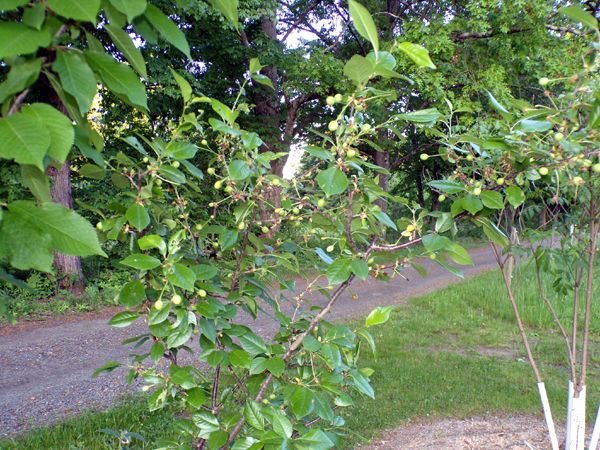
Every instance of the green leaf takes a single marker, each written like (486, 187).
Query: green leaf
(434, 242)
(228, 238)
(492, 232)
(205, 271)
(138, 217)
(184, 86)
(9, 5)
(20, 77)
(69, 233)
(59, 126)
(458, 254)
(167, 29)
(35, 15)
(240, 358)
(364, 24)
(229, 8)
(276, 366)
(302, 402)
(18, 39)
(379, 315)
(244, 443)
(107, 367)
(125, 44)
(171, 174)
(361, 383)
(384, 219)
(332, 181)
(252, 343)
(418, 54)
(578, 14)
(281, 424)
(253, 415)
(183, 276)
(314, 440)
(76, 9)
(497, 106)
(118, 78)
(123, 319)
(448, 186)
(238, 170)
(195, 396)
(179, 337)
(515, 196)
(532, 126)
(141, 262)
(92, 171)
(359, 69)
(37, 182)
(339, 270)
(132, 294)
(262, 79)
(422, 116)
(131, 8)
(492, 199)
(472, 204)
(24, 139)
(152, 241)
(360, 268)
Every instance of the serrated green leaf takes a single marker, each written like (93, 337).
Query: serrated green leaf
(132, 294)
(141, 262)
(302, 402)
(167, 29)
(59, 126)
(184, 86)
(448, 186)
(123, 319)
(238, 170)
(472, 204)
(364, 24)
(360, 268)
(137, 216)
(76, 9)
(418, 54)
(253, 415)
(578, 14)
(183, 277)
(281, 424)
(131, 8)
(229, 8)
(359, 69)
(20, 77)
(339, 270)
(24, 139)
(492, 199)
(379, 315)
(19, 39)
(384, 219)
(515, 196)
(429, 115)
(118, 78)
(332, 181)
(126, 46)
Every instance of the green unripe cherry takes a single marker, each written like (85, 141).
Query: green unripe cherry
(210, 171)
(176, 164)
(351, 153)
(228, 189)
(176, 299)
(321, 202)
(543, 171)
(441, 198)
(424, 156)
(158, 304)
(204, 142)
(543, 81)
(558, 137)
(330, 100)
(500, 181)
(99, 226)
(596, 167)
(469, 157)
(330, 248)
(218, 184)
(338, 98)
(477, 191)
(365, 127)
(201, 293)
(333, 125)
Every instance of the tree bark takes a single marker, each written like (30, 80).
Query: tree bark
(68, 268)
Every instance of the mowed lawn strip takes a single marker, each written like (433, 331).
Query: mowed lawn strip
(452, 353)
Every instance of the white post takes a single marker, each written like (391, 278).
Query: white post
(576, 419)
(595, 432)
(548, 415)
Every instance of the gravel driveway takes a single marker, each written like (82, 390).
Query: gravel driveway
(45, 370)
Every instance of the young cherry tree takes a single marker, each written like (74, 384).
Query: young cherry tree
(198, 283)
(534, 183)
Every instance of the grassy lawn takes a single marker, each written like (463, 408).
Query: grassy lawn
(454, 352)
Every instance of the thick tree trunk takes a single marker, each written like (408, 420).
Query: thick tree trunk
(68, 268)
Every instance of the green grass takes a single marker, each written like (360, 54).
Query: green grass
(433, 361)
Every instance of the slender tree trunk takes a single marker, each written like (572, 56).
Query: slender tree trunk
(68, 268)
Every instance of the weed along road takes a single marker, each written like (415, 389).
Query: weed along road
(45, 371)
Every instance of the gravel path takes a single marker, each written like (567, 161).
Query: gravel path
(45, 370)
